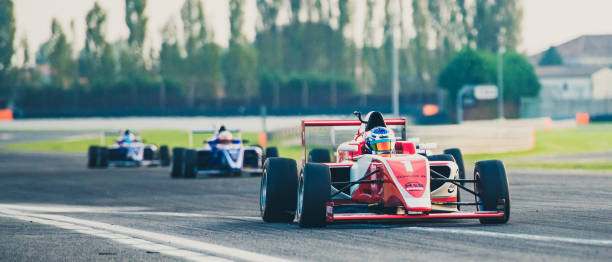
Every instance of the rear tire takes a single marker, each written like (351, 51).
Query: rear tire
(493, 190)
(164, 155)
(313, 194)
(456, 153)
(319, 155)
(278, 191)
(92, 157)
(191, 163)
(178, 154)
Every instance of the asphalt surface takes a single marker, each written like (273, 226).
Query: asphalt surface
(52, 208)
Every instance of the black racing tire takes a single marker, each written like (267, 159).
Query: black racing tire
(278, 191)
(491, 188)
(456, 153)
(164, 155)
(271, 152)
(178, 154)
(191, 163)
(92, 157)
(319, 155)
(148, 154)
(442, 157)
(313, 193)
(103, 156)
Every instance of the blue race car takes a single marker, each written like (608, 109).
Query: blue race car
(128, 151)
(222, 154)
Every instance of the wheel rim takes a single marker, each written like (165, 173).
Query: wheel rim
(300, 194)
(264, 191)
(479, 207)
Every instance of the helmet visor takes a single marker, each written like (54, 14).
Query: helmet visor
(381, 145)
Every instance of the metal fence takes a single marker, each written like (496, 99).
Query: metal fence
(558, 109)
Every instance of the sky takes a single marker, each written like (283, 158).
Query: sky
(545, 22)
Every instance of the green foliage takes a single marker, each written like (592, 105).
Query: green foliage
(97, 61)
(239, 64)
(236, 21)
(240, 68)
(7, 37)
(498, 23)
(468, 67)
(480, 67)
(60, 57)
(519, 77)
(136, 22)
(551, 57)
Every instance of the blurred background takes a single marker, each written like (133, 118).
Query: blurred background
(68, 58)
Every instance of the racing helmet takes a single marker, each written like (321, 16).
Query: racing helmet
(128, 136)
(380, 140)
(225, 137)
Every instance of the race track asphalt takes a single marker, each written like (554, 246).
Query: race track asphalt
(52, 208)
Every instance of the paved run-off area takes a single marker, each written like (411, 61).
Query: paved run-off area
(54, 209)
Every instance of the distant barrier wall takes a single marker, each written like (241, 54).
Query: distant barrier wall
(558, 109)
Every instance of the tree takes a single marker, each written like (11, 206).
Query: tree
(170, 60)
(60, 57)
(240, 62)
(97, 61)
(551, 57)
(420, 51)
(136, 22)
(497, 24)
(131, 58)
(201, 69)
(7, 37)
(472, 67)
(520, 79)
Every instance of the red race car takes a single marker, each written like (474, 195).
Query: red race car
(379, 177)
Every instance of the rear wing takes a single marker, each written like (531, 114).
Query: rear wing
(211, 131)
(319, 123)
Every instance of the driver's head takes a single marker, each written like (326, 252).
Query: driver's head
(380, 141)
(225, 137)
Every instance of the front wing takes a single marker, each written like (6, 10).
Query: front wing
(373, 217)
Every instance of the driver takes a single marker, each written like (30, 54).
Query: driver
(225, 137)
(127, 137)
(380, 141)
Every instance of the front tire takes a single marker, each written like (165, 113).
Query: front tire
(103, 157)
(92, 157)
(191, 162)
(493, 192)
(278, 191)
(313, 194)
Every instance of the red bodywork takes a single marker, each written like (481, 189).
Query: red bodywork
(384, 190)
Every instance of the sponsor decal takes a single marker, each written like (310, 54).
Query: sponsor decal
(411, 174)
(414, 186)
(451, 188)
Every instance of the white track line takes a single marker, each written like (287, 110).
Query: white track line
(151, 241)
(581, 241)
(38, 208)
